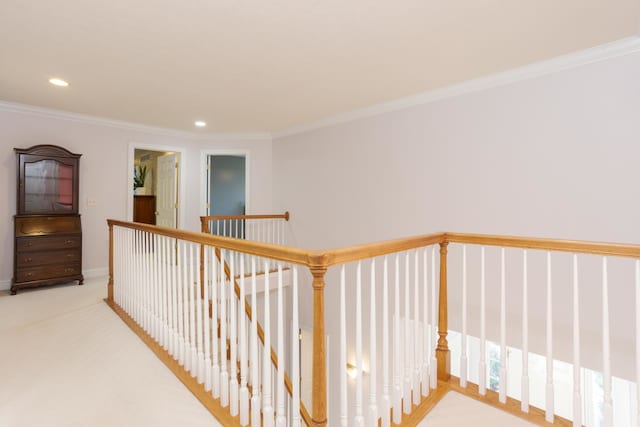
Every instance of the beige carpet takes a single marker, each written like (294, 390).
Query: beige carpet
(67, 360)
(456, 410)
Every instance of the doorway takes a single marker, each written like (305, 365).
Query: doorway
(226, 184)
(156, 182)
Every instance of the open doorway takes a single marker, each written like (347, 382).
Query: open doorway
(225, 183)
(156, 183)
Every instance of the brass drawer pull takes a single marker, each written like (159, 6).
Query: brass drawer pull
(69, 270)
(68, 242)
(29, 274)
(29, 259)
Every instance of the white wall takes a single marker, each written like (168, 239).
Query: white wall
(103, 174)
(552, 156)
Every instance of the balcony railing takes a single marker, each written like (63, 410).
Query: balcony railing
(390, 311)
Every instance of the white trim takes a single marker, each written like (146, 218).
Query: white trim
(204, 154)
(182, 187)
(614, 49)
(618, 48)
(5, 285)
(96, 272)
(14, 107)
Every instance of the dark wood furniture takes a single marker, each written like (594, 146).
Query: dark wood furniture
(48, 232)
(144, 209)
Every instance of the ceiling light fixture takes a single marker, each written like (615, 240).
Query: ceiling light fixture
(200, 124)
(58, 82)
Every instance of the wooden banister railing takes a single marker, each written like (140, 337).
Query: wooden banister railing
(573, 246)
(319, 262)
(259, 228)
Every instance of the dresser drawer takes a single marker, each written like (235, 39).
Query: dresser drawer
(35, 259)
(43, 225)
(47, 243)
(47, 272)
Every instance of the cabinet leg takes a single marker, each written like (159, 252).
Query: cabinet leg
(81, 282)
(14, 291)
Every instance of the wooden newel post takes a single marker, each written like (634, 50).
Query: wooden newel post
(110, 284)
(442, 352)
(319, 377)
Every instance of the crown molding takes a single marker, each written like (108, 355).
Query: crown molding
(618, 48)
(14, 107)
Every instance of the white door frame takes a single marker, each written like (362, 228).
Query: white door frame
(181, 177)
(204, 155)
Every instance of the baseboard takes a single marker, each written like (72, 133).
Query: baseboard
(5, 285)
(95, 272)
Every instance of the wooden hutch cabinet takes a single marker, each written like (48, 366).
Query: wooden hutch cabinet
(48, 233)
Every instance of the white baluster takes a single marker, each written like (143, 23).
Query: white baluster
(549, 409)
(255, 351)
(206, 320)
(150, 295)
(189, 335)
(358, 420)
(169, 296)
(416, 347)
(577, 382)
(606, 349)
(638, 342)
(482, 369)
(175, 291)
(180, 307)
(397, 369)
(267, 406)
(408, 360)
(385, 405)
(192, 315)
(344, 409)
(426, 336)
(463, 353)
(524, 403)
(233, 364)
(503, 331)
(215, 368)
(372, 414)
(281, 416)
(434, 328)
(165, 298)
(199, 321)
(224, 374)
(244, 391)
(295, 356)
(143, 284)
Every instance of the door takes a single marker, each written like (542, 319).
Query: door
(227, 185)
(167, 184)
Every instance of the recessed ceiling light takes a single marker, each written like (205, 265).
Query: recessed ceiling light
(58, 82)
(200, 124)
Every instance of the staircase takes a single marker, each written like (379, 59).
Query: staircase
(193, 297)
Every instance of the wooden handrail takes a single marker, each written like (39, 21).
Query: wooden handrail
(319, 261)
(328, 258)
(249, 312)
(265, 250)
(284, 216)
(574, 246)
(370, 250)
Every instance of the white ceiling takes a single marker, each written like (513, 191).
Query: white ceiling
(265, 66)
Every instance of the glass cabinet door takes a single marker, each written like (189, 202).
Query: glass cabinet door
(48, 187)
